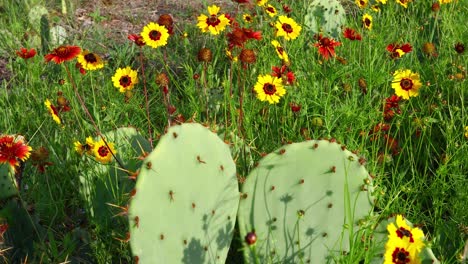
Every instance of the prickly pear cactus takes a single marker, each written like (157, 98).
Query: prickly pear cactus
(186, 198)
(326, 16)
(7, 182)
(104, 184)
(304, 201)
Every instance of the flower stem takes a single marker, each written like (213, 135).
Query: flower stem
(145, 91)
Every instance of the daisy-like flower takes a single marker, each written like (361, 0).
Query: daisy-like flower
(397, 50)
(367, 21)
(214, 24)
(247, 18)
(53, 111)
(326, 46)
(271, 10)
(125, 79)
(261, 2)
(403, 3)
(397, 252)
(13, 149)
(63, 53)
(102, 152)
(413, 236)
(406, 83)
(361, 3)
(351, 34)
(137, 39)
(90, 61)
(155, 35)
(269, 88)
(375, 8)
(26, 54)
(287, 28)
(87, 147)
(238, 36)
(280, 51)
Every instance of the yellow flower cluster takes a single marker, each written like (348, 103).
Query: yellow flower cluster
(101, 151)
(404, 243)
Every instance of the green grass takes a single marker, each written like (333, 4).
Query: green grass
(426, 181)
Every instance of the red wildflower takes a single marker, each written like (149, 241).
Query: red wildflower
(351, 34)
(137, 39)
(25, 53)
(295, 107)
(287, 9)
(63, 53)
(13, 149)
(239, 36)
(391, 106)
(397, 50)
(3, 229)
(283, 73)
(167, 21)
(326, 46)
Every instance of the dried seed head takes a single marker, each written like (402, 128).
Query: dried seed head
(435, 7)
(247, 56)
(429, 48)
(205, 55)
(162, 80)
(459, 48)
(166, 20)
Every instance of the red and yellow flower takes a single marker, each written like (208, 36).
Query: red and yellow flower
(214, 24)
(351, 34)
(326, 46)
(288, 28)
(125, 79)
(397, 50)
(367, 21)
(13, 149)
(269, 88)
(362, 3)
(155, 35)
(53, 111)
(280, 51)
(89, 61)
(271, 10)
(62, 54)
(403, 3)
(104, 152)
(406, 83)
(87, 147)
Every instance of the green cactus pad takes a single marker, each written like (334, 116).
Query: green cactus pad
(303, 202)
(186, 199)
(325, 16)
(7, 183)
(108, 183)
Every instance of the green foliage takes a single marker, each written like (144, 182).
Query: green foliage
(304, 202)
(186, 199)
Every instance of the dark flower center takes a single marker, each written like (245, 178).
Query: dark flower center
(402, 232)
(61, 51)
(286, 27)
(213, 21)
(90, 58)
(248, 18)
(362, 3)
(367, 22)
(400, 256)
(125, 81)
(271, 10)
(406, 84)
(103, 151)
(280, 50)
(155, 35)
(269, 88)
(325, 42)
